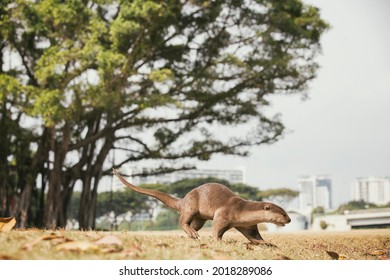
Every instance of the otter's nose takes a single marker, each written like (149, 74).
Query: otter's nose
(288, 219)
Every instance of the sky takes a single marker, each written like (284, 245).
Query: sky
(343, 128)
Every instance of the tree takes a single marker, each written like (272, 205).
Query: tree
(246, 191)
(151, 79)
(116, 203)
(323, 225)
(282, 195)
(318, 211)
(166, 220)
(355, 205)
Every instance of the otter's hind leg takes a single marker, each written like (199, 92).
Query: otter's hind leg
(253, 235)
(220, 226)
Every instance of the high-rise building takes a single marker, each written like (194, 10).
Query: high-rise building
(314, 191)
(231, 175)
(372, 189)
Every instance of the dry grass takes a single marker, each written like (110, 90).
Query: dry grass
(39, 244)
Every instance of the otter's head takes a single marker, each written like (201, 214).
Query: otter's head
(276, 214)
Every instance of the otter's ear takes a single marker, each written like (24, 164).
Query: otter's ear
(266, 207)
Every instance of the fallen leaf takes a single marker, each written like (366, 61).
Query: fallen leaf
(163, 245)
(384, 257)
(51, 236)
(336, 256)
(377, 253)
(6, 257)
(342, 257)
(77, 246)
(109, 240)
(281, 257)
(6, 224)
(110, 244)
(333, 255)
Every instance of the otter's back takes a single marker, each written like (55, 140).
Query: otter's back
(207, 198)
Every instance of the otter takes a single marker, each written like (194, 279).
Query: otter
(213, 201)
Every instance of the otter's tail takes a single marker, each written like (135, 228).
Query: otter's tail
(170, 201)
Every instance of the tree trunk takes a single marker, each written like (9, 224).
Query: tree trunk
(67, 193)
(4, 205)
(88, 201)
(54, 216)
(39, 215)
(4, 209)
(24, 205)
(3, 149)
(53, 200)
(40, 157)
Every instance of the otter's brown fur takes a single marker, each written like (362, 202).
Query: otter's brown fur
(216, 202)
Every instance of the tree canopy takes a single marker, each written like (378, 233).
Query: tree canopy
(357, 205)
(152, 80)
(280, 196)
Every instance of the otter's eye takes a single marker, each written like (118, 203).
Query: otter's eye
(266, 207)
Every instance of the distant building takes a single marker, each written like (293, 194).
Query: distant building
(314, 191)
(234, 176)
(354, 219)
(372, 189)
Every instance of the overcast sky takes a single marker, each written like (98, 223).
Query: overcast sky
(343, 129)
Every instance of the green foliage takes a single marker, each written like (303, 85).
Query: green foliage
(73, 209)
(120, 202)
(355, 205)
(324, 225)
(280, 196)
(318, 211)
(246, 191)
(166, 220)
(161, 75)
(283, 192)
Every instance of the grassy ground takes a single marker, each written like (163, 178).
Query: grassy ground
(91, 245)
